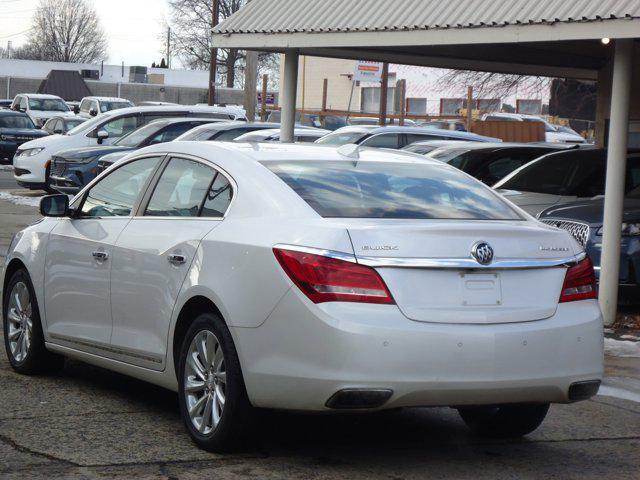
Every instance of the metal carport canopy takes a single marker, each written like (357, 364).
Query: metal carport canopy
(559, 38)
(553, 37)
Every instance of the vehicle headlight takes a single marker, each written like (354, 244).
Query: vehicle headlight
(29, 152)
(629, 229)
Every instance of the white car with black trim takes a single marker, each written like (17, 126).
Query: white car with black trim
(306, 278)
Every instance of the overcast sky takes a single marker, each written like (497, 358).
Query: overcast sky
(132, 27)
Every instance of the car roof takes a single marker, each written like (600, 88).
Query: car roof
(273, 152)
(373, 130)
(228, 125)
(43, 96)
(12, 113)
(172, 121)
(107, 99)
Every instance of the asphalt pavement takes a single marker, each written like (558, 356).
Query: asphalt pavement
(90, 423)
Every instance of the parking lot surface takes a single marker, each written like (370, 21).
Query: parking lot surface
(90, 423)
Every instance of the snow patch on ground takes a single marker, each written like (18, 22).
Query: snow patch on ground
(8, 168)
(615, 392)
(20, 200)
(621, 348)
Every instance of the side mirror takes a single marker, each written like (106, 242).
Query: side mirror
(102, 135)
(54, 206)
(76, 109)
(57, 131)
(22, 109)
(93, 112)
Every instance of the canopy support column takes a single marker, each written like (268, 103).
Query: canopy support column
(615, 183)
(289, 91)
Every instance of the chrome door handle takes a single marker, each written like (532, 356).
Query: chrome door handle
(100, 256)
(175, 259)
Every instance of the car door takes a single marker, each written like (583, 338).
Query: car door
(155, 251)
(79, 257)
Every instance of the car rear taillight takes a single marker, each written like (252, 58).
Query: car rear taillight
(326, 279)
(579, 283)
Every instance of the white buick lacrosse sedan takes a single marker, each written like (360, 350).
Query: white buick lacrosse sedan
(306, 278)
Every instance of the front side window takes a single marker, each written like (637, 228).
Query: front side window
(170, 133)
(121, 126)
(181, 189)
(23, 103)
(343, 189)
(116, 194)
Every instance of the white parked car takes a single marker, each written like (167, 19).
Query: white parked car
(306, 278)
(33, 159)
(93, 106)
(41, 107)
(553, 133)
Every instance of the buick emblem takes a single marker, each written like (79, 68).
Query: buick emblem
(483, 253)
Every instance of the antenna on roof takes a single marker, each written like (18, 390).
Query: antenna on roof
(350, 150)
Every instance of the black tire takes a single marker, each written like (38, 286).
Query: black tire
(38, 359)
(230, 432)
(504, 421)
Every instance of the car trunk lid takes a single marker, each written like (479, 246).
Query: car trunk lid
(429, 268)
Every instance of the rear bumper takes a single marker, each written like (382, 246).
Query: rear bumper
(303, 354)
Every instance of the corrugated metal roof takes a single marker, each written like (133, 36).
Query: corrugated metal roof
(319, 16)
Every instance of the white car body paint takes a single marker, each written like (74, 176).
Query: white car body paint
(428, 349)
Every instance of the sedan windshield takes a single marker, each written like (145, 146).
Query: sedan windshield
(340, 189)
(48, 105)
(16, 121)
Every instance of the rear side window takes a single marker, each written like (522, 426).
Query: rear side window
(181, 190)
(229, 135)
(547, 175)
(342, 189)
(385, 140)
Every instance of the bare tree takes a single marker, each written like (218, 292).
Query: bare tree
(190, 22)
(494, 85)
(66, 31)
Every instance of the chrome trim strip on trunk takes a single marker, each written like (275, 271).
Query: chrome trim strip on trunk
(441, 263)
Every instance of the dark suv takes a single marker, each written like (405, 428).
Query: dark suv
(16, 128)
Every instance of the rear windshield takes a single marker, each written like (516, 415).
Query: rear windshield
(346, 189)
(342, 138)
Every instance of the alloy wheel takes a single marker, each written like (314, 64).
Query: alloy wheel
(205, 380)
(19, 316)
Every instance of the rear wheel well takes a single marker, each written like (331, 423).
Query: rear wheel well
(190, 310)
(12, 268)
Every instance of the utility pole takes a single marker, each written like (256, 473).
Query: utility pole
(384, 86)
(215, 13)
(169, 47)
(250, 83)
